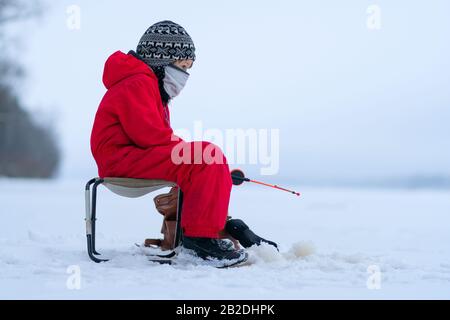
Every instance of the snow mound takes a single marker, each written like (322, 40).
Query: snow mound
(266, 253)
(301, 249)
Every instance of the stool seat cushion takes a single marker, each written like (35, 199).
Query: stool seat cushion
(134, 188)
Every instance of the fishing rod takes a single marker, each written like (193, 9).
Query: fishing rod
(239, 178)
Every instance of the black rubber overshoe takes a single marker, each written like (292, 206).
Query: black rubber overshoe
(214, 249)
(246, 237)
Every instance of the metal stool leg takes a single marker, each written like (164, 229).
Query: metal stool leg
(91, 217)
(94, 212)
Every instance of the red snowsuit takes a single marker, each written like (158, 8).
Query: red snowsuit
(132, 137)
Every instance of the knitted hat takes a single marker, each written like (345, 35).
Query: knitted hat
(165, 42)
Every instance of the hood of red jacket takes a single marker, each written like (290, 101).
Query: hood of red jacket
(120, 66)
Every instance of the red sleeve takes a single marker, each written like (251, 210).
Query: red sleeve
(140, 116)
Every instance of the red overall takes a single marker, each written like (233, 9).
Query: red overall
(132, 138)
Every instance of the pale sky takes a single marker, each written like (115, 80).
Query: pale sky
(350, 102)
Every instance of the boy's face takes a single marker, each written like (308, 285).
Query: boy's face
(184, 64)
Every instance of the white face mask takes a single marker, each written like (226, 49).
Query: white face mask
(174, 80)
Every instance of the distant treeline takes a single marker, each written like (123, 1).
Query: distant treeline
(27, 149)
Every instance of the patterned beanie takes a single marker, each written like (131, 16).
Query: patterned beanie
(165, 42)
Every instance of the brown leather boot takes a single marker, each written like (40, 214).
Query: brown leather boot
(166, 204)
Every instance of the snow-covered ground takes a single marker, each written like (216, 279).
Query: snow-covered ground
(333, 241)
